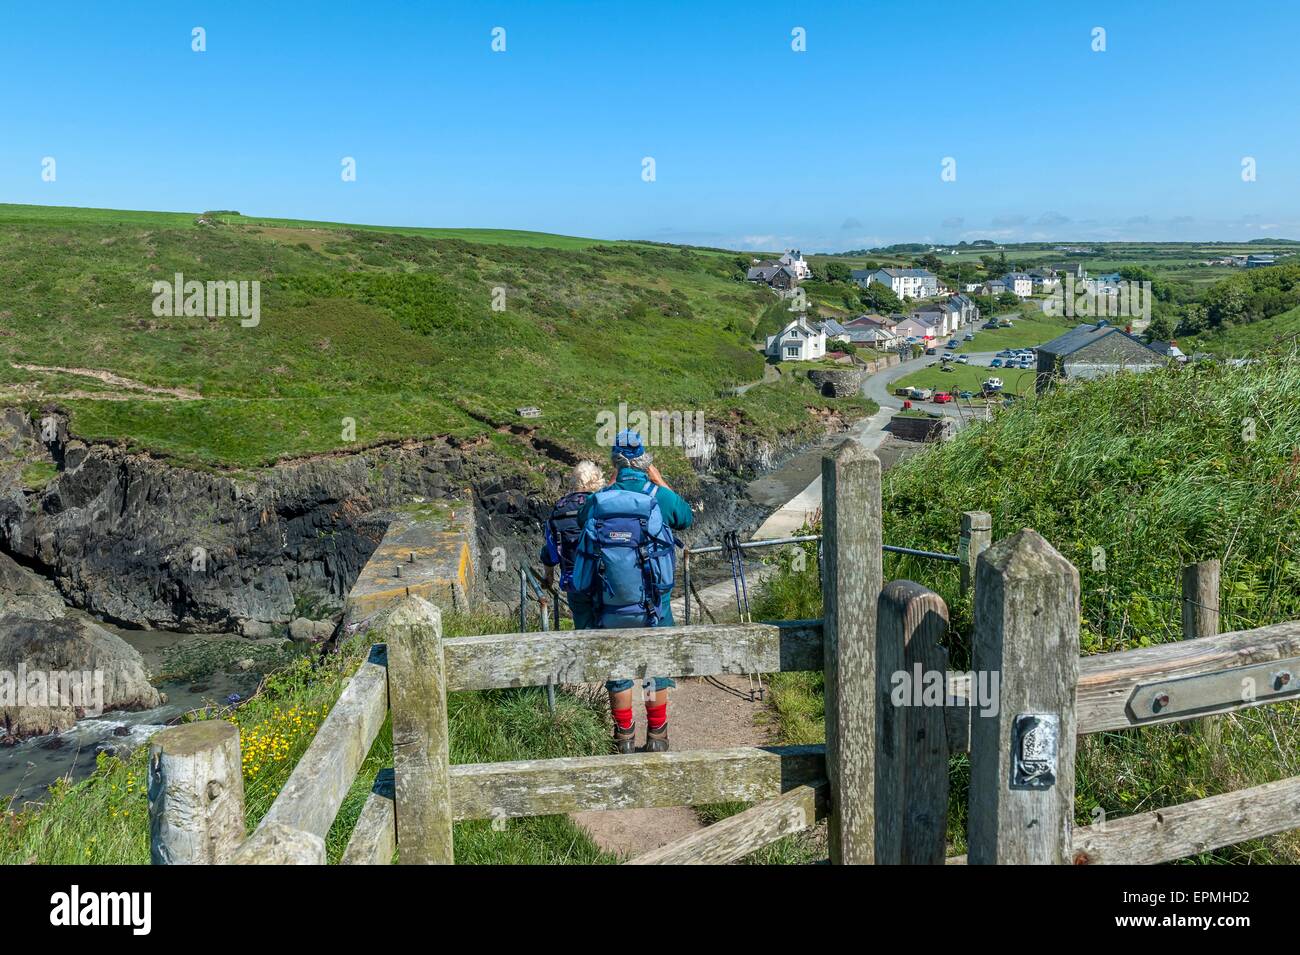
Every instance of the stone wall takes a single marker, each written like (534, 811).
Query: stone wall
(838, 382)
(921, 429)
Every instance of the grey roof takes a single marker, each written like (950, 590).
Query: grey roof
(1084, 335)
(908, 273)
(1016, 275)
(832, 327)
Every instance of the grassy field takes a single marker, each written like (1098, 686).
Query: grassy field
(1026, 332)
(395, 330)
(1154, 469)
(969, 378)
(103, 820)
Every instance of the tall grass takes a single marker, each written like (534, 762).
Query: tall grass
(1158, 471)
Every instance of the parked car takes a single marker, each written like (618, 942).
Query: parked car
(963, 360)
(942, 398)
(1005, 323)
(991, 323)
(931, 350)
(920, 394)
(1007, 353)
(996, 363)
(969, 336)
(966, 395)
(953, 343)
(992, 384)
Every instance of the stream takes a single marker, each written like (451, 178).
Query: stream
(27, 769)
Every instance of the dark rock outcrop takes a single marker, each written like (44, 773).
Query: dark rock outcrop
(53, 672)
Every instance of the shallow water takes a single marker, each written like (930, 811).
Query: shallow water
(28, 768)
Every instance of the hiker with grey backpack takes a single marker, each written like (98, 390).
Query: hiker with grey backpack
(625, 562)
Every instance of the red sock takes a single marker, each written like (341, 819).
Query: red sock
(656, 716)
(623, 718)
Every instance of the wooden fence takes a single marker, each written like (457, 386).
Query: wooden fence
(894, 715)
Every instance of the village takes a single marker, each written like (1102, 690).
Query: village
(943, 356)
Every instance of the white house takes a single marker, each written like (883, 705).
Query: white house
(905, 283)
(794, 261)
(798, 341)
(1019, 282)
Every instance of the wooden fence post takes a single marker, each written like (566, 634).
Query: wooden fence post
(911, 736)
(417, 691)
(852, 576)
(196, 794)
(1023, 737)
(1201, 619)
(976, 536)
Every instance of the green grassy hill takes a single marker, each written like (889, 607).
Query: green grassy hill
(392, 328)
(1279, 332)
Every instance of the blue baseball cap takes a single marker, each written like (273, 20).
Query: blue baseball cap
(628, 445)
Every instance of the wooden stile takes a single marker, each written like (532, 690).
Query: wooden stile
(740, 835)
(417, 687)
(1022, 752)
(196, 794)
(911, 738)
(976, 536)
(851, 545)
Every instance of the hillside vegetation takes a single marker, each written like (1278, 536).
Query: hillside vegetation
(1159, 470)
(392, 329)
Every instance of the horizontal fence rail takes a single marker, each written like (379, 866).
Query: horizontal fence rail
(590, 656)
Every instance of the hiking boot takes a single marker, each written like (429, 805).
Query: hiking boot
(656, 741)
(625, 739)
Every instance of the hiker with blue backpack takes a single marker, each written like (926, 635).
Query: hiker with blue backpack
(625, 563)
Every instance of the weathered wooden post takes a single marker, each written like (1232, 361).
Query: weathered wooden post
(1201, 619)
(976, 536)
(196, 794)
(417, 692)
(911, 738)
(1023, 737)
(852, 577)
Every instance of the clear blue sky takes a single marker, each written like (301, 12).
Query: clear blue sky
(756, 146)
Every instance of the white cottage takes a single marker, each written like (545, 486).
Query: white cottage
(798, 341)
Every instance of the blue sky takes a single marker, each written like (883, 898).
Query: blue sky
(755, 145)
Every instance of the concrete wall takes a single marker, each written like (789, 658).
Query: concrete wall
(428, 550)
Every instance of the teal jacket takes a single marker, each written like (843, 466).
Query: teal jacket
(677, 513)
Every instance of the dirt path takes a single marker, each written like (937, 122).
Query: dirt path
(701, 715)
(108, 378)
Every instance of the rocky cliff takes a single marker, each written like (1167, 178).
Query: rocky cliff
(140, 542)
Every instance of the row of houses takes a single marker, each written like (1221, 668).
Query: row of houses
(802, 340)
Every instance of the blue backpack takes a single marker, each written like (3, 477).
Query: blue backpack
(625, 560)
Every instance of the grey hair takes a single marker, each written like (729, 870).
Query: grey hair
(586, 476)
(640, 463)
